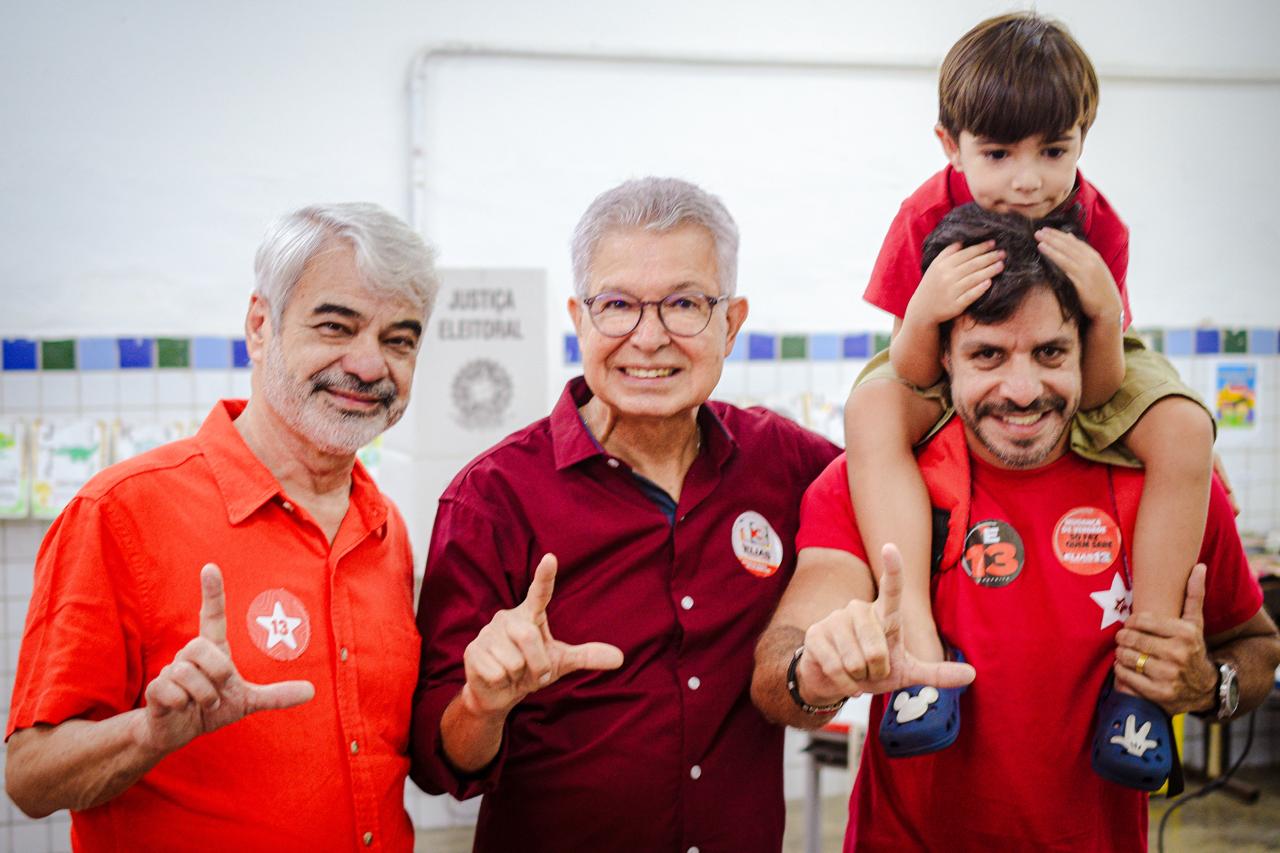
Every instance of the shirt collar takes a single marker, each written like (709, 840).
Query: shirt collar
(247, 484)
(572, 442)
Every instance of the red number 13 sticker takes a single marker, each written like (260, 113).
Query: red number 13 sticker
(993, 554)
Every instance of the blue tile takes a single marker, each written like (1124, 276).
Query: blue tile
(572, 355)
(136, 352)
(239, 353)
(739, 351)
(1177, 342)
(761, 347)
(210, 353)
(824, 347)
(857, 346)
(1264, 341)
(1208, 341)
(99, 354)
(19, 354)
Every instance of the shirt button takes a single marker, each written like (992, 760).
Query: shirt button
(695, 682)
(694, 850)
(287, 506)
(355, 747)
(613, 463)
(342, 654)
(368, 839)
(687, 602)
(695, 772)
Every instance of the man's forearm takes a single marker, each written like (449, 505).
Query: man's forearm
(1255, 656)
(77, 764)
(470, 739)
(769, 680)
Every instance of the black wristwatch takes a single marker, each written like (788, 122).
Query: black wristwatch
(793, 687)
(1226, 694)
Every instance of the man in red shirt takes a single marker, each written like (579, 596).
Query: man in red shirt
(1033, 585)
(141, 672)
(597, 580)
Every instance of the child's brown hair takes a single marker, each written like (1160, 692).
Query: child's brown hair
(1016, 76)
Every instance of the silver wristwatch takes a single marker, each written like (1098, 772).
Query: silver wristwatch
(1226, 700)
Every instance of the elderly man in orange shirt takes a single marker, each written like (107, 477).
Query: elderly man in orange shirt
(253, 567)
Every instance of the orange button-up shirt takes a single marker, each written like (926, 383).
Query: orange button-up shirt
(117, 594)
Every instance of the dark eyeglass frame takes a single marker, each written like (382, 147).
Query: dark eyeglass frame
(712, 302)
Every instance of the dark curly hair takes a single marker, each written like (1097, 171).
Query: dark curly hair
(1025, 268)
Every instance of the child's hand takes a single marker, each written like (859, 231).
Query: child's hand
(953, 282)
(1099, 295)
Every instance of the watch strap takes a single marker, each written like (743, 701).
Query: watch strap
(793, 687)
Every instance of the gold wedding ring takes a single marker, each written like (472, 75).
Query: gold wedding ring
(1143, 657)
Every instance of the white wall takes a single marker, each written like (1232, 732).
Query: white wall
(147, 143)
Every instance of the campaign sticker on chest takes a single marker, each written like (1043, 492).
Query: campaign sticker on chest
(278, 624)
(1086, 540)
(756, 544)
(993, 553)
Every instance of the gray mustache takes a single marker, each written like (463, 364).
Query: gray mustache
(336, 380)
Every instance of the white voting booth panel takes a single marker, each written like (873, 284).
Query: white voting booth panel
(482, 374)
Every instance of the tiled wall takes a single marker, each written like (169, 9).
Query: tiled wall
(805, 376)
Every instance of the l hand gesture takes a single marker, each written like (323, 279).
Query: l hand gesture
(515, 654)
(201, 691)
(859, 648)
(953, 282)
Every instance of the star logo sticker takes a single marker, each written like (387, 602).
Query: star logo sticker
(1116, 602)
(280, 627)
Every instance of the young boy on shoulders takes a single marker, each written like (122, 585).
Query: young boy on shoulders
(1017, 96)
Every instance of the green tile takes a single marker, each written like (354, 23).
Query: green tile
(795, 347)
(882, 341)
(173, 352)
(1235, 340)
(58, 355)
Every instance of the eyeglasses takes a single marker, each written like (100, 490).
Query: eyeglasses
(684, 315)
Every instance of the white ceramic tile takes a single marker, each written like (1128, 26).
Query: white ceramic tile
(762, 379)
(733, 383)
(21, 393)
(59, 392)
(99, 389)
(19, 578)
(22, 538)
(794, 377)
(30, 836)
(15, 614)
(211, 386)
(240, 384)
(137, 389)
(175, 388)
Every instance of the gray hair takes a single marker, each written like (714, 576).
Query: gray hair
(656, 204)
(390, 255)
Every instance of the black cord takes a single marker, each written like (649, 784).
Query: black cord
(1209, 787)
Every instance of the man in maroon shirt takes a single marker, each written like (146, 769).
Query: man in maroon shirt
(597, 580)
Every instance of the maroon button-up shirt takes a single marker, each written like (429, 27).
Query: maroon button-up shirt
(666, 753)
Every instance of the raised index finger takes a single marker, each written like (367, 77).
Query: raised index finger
(213, 606)
(544, 583)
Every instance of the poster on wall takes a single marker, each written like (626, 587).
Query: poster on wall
(483, 362)
(15, 473)
(133, 437)
(1236, 397)
(68, 453)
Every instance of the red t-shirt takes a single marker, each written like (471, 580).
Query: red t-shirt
(117, 594)
(1040, 630)
(897, 271)
(667, 753)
